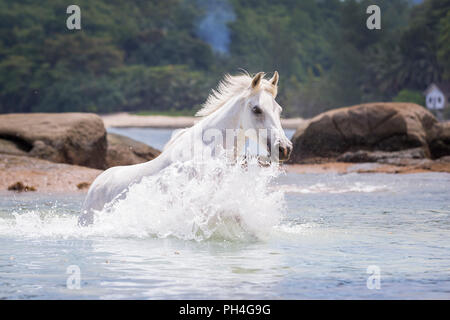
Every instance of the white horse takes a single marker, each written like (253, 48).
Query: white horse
(242, 106)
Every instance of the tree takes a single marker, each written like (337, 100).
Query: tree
(444, 46)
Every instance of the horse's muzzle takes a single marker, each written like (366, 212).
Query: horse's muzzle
(284, 152)
(280, 151)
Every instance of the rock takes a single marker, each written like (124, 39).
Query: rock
(19, 187)
(83, 185)
(381, 156)
(440, 143)
(445, 159)
(72, 138)
(10, 147)
(125, 151)
(371, 127)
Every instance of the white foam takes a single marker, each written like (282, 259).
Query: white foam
(356, 187)
(190, 201)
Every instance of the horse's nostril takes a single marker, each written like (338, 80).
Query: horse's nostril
(282, 151)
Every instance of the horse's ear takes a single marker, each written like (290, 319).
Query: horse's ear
(275, 78)
(257, 80)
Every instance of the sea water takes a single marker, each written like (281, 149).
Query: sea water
(232, 232)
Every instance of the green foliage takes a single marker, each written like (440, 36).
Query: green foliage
(444, 45)
(127, 88)
(406, 95)
(145, 55)
(420, 55)
(161, 88)
(128, 56)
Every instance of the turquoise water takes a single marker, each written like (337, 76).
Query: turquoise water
(331, 228)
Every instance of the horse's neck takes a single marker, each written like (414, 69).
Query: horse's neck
(227, 117)
(227, 121)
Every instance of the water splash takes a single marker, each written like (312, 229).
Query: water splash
(197, 201)
(189, 201)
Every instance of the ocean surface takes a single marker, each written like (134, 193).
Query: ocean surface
(232, 233)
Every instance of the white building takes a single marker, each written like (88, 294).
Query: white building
(437, 96)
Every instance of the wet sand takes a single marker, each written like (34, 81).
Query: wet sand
(43, 176)
(345, 167)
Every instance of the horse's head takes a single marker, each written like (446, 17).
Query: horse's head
(260, 117)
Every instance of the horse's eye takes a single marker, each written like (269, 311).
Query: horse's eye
(256, 110)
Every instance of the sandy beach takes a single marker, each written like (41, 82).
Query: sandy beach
(124, 119)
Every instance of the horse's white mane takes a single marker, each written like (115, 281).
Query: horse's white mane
(229, 87)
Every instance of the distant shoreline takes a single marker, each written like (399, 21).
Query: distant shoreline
(127, 120)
